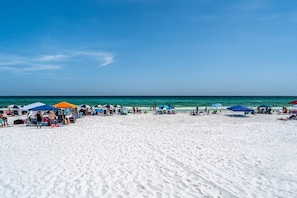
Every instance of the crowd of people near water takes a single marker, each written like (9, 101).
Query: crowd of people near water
(56, 118)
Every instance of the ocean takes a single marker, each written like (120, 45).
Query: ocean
(180, 102)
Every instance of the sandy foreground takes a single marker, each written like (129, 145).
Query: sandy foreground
(152, 156)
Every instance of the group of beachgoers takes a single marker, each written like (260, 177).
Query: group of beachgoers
(48, 118)
(41, 118)
(56, 118)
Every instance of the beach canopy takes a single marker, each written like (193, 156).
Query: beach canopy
(239, 108)
(216, 105)
(31, 106)
(64, 105)
(293, 102)
(44, 108)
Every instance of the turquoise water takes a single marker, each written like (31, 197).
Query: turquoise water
(148, 101)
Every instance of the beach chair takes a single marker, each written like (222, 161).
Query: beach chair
(1, 123)
(28, 122)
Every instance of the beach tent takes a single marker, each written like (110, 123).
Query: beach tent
(31, 106)
(44, 108)
(65, 105)
(240, 108)
(293, 102)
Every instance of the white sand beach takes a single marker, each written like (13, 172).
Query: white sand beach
(150, 155)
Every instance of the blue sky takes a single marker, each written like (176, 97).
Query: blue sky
(148, 47)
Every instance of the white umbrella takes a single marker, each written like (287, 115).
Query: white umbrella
(85, 106)
(13, 106)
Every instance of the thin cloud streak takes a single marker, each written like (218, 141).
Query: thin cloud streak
(53, 57)
(23, 65)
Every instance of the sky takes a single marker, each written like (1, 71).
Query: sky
(148, 47)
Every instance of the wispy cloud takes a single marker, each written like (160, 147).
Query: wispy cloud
(27, 64)
(53, 57)
(107, 60)
(102, 58)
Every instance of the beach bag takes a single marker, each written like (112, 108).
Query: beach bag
(18, 121)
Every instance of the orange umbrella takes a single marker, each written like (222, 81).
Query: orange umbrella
(65, 105)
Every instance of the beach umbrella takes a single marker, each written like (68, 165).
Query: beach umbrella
(108, 106)
(171, 106)
(118, 106)
(13, 106)
(64, 105)
(99, 106)
(216, 105)
(163, 107)
(85, 106)
(240, 108)
(293, 102)
(44, 108)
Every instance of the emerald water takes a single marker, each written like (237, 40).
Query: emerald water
(149, 101)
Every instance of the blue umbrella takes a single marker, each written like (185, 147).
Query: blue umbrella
(107, 106)
(13, 106)
(171, 106)
(44, 108)
(163, 107)
(239, 108)
(168, 107)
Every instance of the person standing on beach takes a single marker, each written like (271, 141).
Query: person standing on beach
(4, 119)
(39, 119)
(134, 109)
(52, 117)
